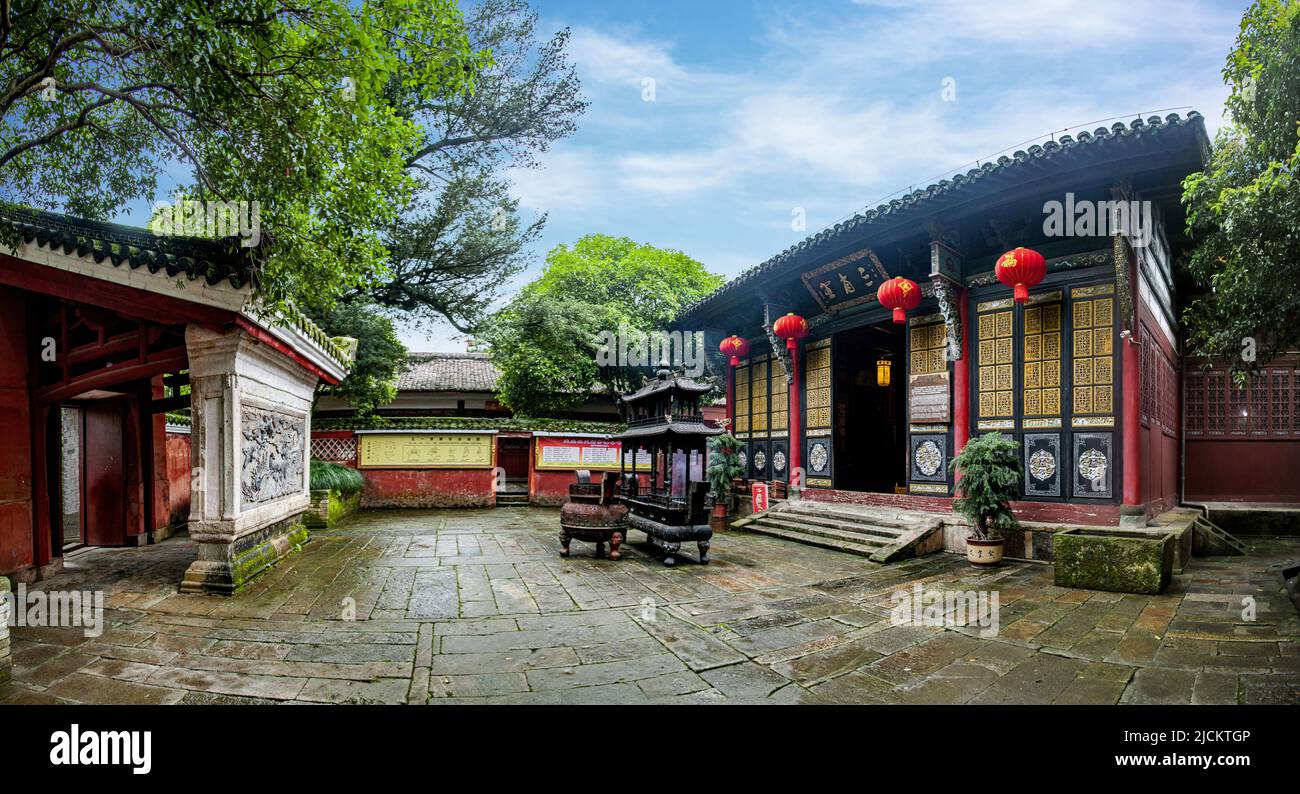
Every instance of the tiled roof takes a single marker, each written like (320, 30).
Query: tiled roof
(213, 260)
(448, 372)
(196, 257)
(1116, 138)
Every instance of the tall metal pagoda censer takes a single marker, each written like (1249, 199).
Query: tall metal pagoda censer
(664, 423)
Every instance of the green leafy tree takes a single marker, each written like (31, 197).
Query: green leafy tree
(463, 239)
(1244, 209)
(282, 103)
(645, 286)
(372, 381)
(546, 341)
(989, 467)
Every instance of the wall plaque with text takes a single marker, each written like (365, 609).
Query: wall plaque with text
(427, 451)
(929, 397)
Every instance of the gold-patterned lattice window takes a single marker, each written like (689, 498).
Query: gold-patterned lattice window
(996, 367)
(779, 394)
(817, 386)
(742, 398)
(758, 397)
(927, 343)
(1094, 360)
(1042, 367)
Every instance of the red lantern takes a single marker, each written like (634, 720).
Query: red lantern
(1020, 269)
(791, 328)
(900, 294)
(735, 347)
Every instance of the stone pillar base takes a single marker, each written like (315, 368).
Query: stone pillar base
(226, 568)
(1132, 516)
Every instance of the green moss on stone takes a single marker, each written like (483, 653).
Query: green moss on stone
(1113, 561)
(253, 562)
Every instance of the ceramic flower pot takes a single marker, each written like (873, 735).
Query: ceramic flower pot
(984, 552)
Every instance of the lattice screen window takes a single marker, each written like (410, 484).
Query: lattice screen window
(817, 386)
(1094, 360)
(1280, 411)
(1042, 346)
(780, 396)
(927, 344)
(334, 450)
(996, 367)
(1215, 404)
(1268, 406)
(1195, 407)
(742, 398)
(758, 397)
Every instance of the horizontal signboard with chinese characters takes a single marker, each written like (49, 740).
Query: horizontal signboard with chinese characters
(846, 281)
(577, 453)
(426, 450)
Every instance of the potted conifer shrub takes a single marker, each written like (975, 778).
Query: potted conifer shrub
(990, 472)
(724, 467)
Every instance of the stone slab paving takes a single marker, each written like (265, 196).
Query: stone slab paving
(476, 606)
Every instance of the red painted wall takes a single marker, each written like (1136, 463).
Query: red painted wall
(428, 488)
(1243, 470)
(177, 468)
(1047, 512)
(16, 551)
(552, 487)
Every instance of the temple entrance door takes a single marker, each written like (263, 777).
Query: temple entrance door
(104, 458)
(512, 455)
(870, 418)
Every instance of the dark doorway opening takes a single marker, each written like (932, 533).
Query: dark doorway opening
(870, 418)
(512, 456)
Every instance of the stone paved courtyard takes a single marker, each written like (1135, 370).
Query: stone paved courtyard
(476, 606)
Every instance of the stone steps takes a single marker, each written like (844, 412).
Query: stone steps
(867, 536)
(813, 523)
(1210, 539)
(822, 541)
(884, 535)
(512, 499)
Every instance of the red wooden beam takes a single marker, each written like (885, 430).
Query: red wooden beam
(158, 364)
(127, 301)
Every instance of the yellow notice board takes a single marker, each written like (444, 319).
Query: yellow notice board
(426, 451)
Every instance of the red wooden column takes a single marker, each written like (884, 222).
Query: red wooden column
(961, 378)
(794, 417)
(1132, 423)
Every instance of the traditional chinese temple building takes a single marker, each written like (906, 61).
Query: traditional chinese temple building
(104, 329)
(1087, 375)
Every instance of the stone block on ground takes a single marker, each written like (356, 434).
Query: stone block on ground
(1119, 561)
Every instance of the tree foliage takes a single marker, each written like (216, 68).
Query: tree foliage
(282, 103)
(990, 472)
(545, 342)
(372, 381)
(724, 465)
(1244, 209)
(463, 239)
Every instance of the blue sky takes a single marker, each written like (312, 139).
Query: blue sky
(762, 109)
